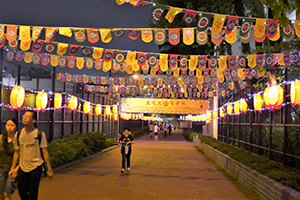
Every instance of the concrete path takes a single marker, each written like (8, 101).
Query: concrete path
(171, 168)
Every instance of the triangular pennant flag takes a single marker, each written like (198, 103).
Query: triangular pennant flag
(105, 35)
(28, 57)
(227, 74)
(93, 35)
(232, 62)
(219, 73)
(89, 64)
(120, 56)
(120, 2)
(163, 62)
(183, 62)
(189, 17)
(277, 36)
(73, 50)
(135, 66)
(174, 36)
(260, 61)
(130, 58)
(97, 53)
(272, 28)
(242, 61)
(288, 33)
(176, 72)
(36, 59)
(188, 36)
(157, 11)
(232, 20)
(241, 72)
(202, 62)
(108, 55)
(193, 62)
(152, 60)
(142, 59)
(13, 45)
(245, 30)
(173, 11)
(251, 61)
(147, 35)
(198, 73)
(25, 45)
(62, 61)
(65, 32)
(10, 55)
(118, 33)
(260, 28)
(261, 39)
(45, 59)
(247, 73)
(19, 55)
(270, 60)
(213, 73)
(116, 66)
(216, 38)
(37, 46)
(86, 51)
(25, 33)
(62, 48)
(206, 73)
(286, 58)
(98, 64)
(50, 34)
(54, 60)
(50, 47)
(231, 37)
(222, 62)
(218, 23)
(173, 61)
(279, 58)
(133, 34)
(201, 37)
(79, 35)
(159, 36)
(1, 32)
(2, 41)
(79, 62)
(71, 62)
(11, 33)
(36, 32)
(204, 21)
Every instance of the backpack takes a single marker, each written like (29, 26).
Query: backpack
(39, 137)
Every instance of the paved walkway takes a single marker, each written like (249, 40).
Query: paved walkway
(171, 168)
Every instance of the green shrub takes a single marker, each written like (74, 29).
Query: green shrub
(189, 135)
(269, 168)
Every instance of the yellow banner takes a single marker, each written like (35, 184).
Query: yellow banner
(177, 106)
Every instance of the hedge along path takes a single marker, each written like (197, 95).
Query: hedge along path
(171, 168)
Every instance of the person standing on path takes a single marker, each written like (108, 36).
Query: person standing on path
(170, 129)
(165, 128)
(7, 185)
(155, 132)
(151, 129)
(29, 152)
(126, 140)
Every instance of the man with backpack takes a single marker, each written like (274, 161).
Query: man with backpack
(30, 152)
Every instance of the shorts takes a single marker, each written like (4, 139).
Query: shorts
(6, 185)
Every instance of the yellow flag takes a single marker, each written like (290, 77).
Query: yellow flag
(193, 62)
(160, 82)
(25, 45)
(222, 62)
(198, 73)
(25, 33)
(152, 72)
(147, 35)
(36, 32)
(231, 37)
(129, 71)
(277, 36)
(223, 93)
(28, 57)
(200, 80)
(172, 13)
(62, 48)
(163, 62)
(54, 60)
(136, 66)
(221, 79)
(231, 85)
(260, 28)
(65, 31)
(97, 54)
(218, 23)
(180, 81)
(220, 73)
(120, 2)
(141, 82)
(105, 35)
(79, 62)
(130, 58)
(297, 27)
(251, 61)
(241, 72)
(279, 58)
(106, 66)
(176, 73)
(188, 36)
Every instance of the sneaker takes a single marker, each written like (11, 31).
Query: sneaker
(128, 169)
(122, 170)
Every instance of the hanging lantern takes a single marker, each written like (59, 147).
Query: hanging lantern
(273, 96)
(133, 116)
(237, 107)
(295, 92)
(222, 111)
(86, 107)
(41, 101)
(17, 97)
(57, 101)
(98, 109)
(257, 102)
(243, 106)
(115, 109)
(107, 110)
(229, 108)
(215, 114)
(73, 103)
(208, 117)
(116, 117)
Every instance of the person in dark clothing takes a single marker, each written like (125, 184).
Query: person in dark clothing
(126, 140)
(170, 129)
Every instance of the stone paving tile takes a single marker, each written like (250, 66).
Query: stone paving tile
(168, 169)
